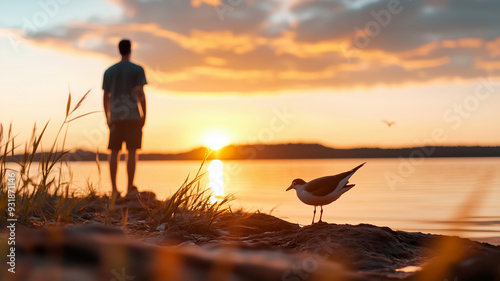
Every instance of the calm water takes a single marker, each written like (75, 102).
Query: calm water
(428, 196)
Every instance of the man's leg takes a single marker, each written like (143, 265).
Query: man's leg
(113, 167)
(131, 163)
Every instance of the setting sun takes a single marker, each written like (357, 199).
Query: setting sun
(216, 140)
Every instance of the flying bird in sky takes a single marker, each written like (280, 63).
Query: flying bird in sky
(389, 123)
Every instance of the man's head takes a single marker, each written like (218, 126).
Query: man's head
(125, 47)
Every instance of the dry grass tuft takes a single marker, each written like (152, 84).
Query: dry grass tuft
(44, 196)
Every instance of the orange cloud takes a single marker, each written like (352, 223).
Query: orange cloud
(223, 59)
(229, 74)
(286, 44)
(329, 72)
(215, 61)
(494, 47)
(423, 50)
(196, 41)
(449, 44)
(470, 42)
(463, 43)
(197, 3)
(424, 63)
(487, 65)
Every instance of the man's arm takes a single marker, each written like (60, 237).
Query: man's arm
(106, 99)
(141, 99)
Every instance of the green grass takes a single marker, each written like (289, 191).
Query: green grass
(44, 193)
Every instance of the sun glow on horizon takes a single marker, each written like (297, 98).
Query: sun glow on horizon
(216, 140)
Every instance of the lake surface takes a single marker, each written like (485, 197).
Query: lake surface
(459, 196)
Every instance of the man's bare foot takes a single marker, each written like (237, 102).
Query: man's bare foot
(132, 191)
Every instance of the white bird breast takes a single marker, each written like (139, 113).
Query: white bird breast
(310, 199)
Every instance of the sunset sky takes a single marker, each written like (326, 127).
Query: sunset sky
(261, 71)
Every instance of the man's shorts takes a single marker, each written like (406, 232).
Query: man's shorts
(128, 131)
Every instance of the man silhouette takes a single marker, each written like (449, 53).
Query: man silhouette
(123, 86)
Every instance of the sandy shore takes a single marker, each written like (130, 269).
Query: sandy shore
(237, 246)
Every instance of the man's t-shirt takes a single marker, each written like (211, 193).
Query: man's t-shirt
(121, 79)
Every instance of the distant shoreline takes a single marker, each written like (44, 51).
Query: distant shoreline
(295, 151)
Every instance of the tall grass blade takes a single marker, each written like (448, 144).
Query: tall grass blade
(80, 102)
(68, 105)
(83, 115)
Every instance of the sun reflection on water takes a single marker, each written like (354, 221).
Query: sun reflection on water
(216, 180)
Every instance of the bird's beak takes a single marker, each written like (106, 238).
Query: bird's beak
(290, 187)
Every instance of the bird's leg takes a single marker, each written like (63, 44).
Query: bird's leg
(314, 214)
(321, 214)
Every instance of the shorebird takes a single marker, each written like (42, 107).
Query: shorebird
(323, 191)
(389, 123)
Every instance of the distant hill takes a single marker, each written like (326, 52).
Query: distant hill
(299, 151)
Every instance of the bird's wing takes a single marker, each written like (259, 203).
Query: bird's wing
(325, 185)
(388, 123)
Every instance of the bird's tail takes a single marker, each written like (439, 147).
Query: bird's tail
(346, 188)
(355, 169)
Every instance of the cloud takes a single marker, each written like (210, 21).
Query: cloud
(267, 46)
